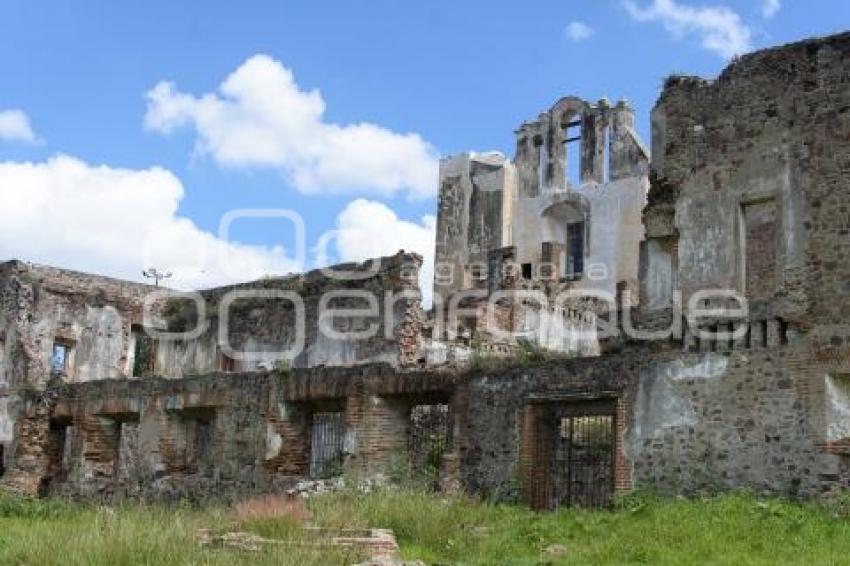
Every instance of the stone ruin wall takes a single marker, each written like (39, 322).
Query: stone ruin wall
(770, 133)
(768, 417)
(100, 319)
(140, 438)
(768, 411)
(263, 326)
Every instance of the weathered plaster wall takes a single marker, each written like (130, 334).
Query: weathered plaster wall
(751, 418)
(474, 216)
(748, 418)
(40, 305)
(612, 212)
(503, 220)
(100, 319)
(92, 314)
(765, 417)
(657, 273)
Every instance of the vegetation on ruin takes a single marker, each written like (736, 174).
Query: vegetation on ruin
(527, 355)
(734, 528)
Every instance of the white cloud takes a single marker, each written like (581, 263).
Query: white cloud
(261, 117)
(117, 222)
(367, 229)
(720, 29)
(578, 31)
(15, 126)
(770, 8)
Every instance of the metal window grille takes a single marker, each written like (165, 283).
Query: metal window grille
(326, 454)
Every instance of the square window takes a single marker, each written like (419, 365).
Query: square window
(59, 361)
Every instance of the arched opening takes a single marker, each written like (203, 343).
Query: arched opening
(565, 237)
(572, 149)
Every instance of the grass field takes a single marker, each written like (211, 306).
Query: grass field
(730, 529)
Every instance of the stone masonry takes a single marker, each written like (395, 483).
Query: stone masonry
(725, 362)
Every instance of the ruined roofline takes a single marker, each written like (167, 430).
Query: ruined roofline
(398, 261)
(69, 278)
(839, 40)
(61, 275)
(492, 157)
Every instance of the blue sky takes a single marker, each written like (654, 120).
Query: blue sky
(430, 78)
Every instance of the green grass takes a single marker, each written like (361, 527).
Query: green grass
(37, 533)
(729, 529)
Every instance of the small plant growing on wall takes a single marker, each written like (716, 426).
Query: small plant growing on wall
(180, 315)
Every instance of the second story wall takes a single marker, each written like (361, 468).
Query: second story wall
(750, 189)
(348, 314)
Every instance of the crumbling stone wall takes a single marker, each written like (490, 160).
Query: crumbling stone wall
(750, 167)
(261, 330)
(773, 128)
(93, 315)
(39, 306)
(100, 321)
(766, 415)
(258, 425)
(722, 421)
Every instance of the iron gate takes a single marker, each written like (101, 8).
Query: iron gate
(575, 453)
(326, 445)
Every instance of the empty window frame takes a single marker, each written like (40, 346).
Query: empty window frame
(575, 250)
(759, 225)
(60, 360)
(572, 151)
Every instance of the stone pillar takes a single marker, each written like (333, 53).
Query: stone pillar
(623, 159)
(593, 145)
(556, 153)
(527, 160)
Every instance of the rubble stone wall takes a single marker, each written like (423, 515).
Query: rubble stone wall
(774, 127)
(262, 334)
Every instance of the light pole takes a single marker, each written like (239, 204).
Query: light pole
(157, 276)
